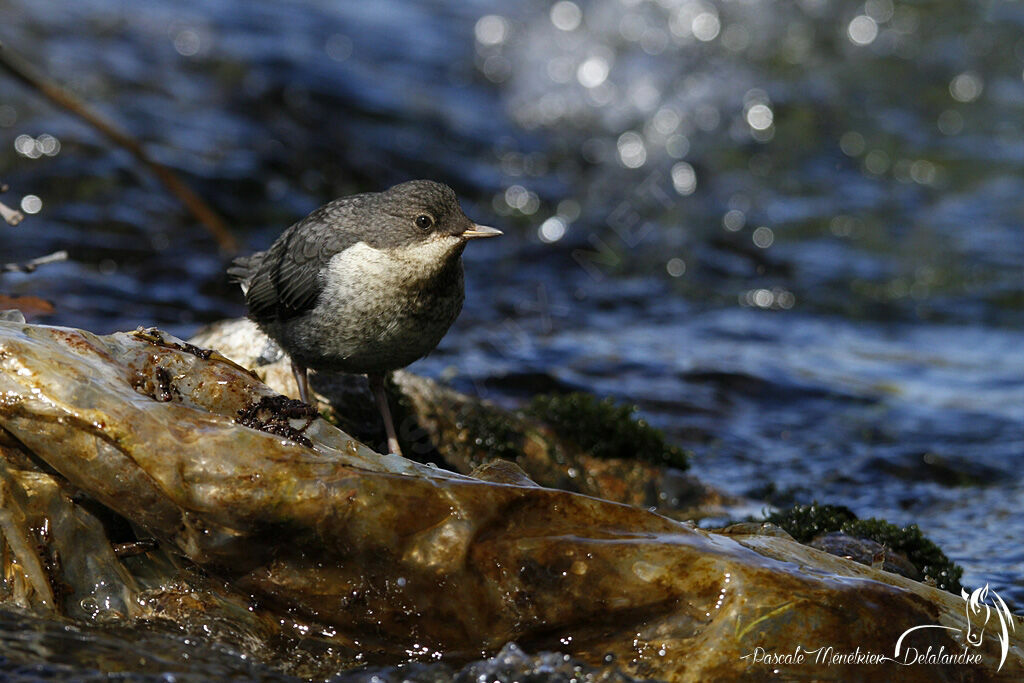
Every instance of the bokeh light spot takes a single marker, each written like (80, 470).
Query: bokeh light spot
(632, 152)
(763, 298)
(760, 117)
(684, 178)
(496, 68)
(491, 29)
(566, 15)
(552, 230)
(966, 87)
(763, 237)
(25, 145)
(187, 43)
(736, 37)
(923, 172)
(666, 120)
(30, 203)
(876, 162)
(48, 145)
(705, 26)
(734, 220)
(862, 30)
(592, 72)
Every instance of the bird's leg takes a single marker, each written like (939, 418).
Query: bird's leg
(381, 397)
(302, 379)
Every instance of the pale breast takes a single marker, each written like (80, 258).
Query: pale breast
(380, 309)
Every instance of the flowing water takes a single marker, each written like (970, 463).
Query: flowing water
(789, 232)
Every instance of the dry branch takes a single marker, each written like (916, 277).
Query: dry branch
(10, 216)
(28, 75)
(29, 266)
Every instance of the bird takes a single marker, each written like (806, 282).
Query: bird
(365, 284)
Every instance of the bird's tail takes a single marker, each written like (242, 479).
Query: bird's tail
(242, 269)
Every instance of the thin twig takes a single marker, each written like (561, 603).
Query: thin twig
(29, 266)
(27, 74)
(10, 216)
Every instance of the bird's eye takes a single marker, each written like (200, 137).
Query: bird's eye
(424, 222)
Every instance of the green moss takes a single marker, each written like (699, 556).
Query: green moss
(804, 522)
(493, 432)
(909, 541)
(605, 429)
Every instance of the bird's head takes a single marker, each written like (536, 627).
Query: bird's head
(424, 212)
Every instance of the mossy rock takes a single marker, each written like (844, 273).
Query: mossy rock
(498, 433)
(804, 522)
(605, 429)
(909, 540)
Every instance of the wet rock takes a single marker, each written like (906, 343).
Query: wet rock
(865, 551)
(390, 560)
(502, 472)
(619, 459)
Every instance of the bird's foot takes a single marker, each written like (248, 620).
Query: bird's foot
(302, 380)
(380, 395)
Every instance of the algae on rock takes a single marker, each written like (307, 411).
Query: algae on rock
(605, 429)
(808, 522)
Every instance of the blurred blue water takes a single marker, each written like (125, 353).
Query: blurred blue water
(790, 232)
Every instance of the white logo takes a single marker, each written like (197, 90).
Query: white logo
(977, 604)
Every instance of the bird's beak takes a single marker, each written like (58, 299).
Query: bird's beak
(481, 231)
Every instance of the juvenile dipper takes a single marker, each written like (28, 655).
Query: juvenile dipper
(365, 284)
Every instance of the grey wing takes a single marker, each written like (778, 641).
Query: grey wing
(243, 267)
(286, 281)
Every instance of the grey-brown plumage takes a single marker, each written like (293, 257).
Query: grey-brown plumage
(365, 284)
